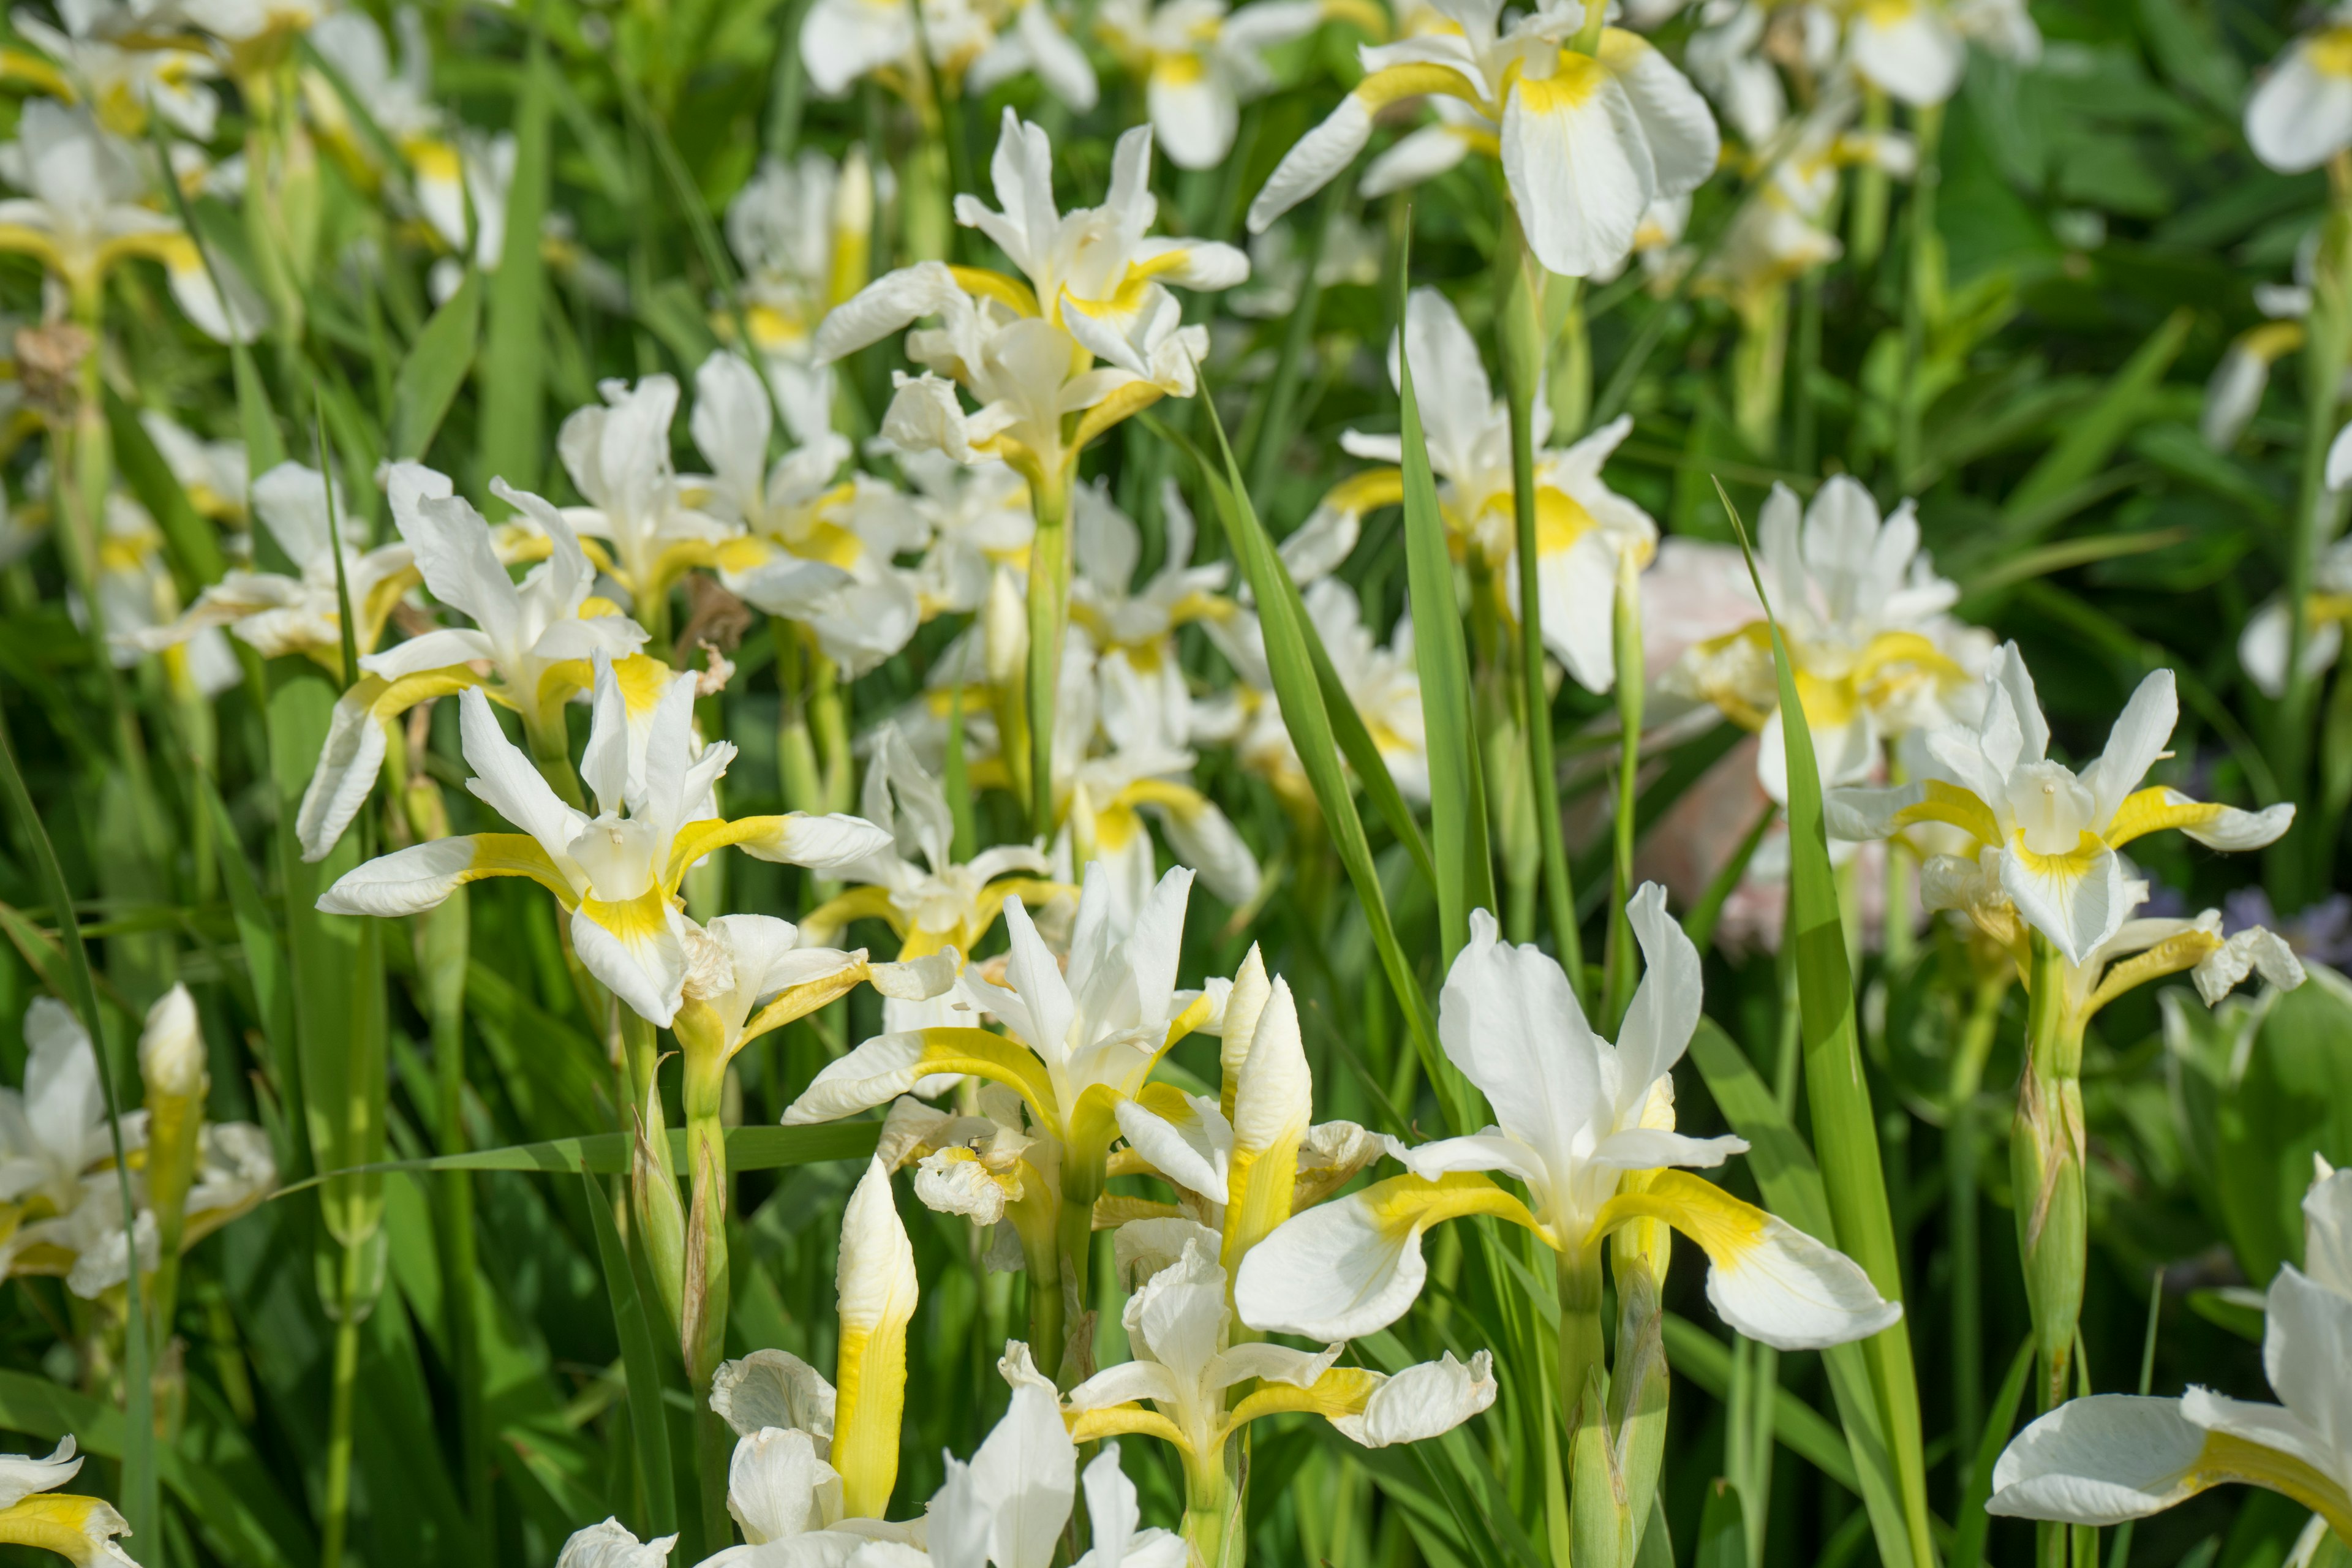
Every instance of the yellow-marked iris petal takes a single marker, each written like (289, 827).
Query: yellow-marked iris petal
(1769, 1279)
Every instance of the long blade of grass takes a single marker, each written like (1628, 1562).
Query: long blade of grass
(1791, 1184)
(436, 368)
(1968, 1534)
(1845, 1128)
(1283, 618)
(1457, 795)
(514, 351)
(648, 1425)
(607, 1153)
(141, 1502)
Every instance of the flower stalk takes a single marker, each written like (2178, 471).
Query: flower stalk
(2046, 1148)
(1523, 355)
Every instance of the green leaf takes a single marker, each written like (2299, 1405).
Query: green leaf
(1281, 617)
(513, 419)
(435, 369)
(1968, 1538)
(607, 1153)
(1722, 1529)
(1457, 795)
(1845, 1128)
(648, 1423)
(1791, 1185)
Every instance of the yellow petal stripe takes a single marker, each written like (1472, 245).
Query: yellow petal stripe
(1116, 1420)
(75, 1528)
(821, 925)
(1725, 1228)
(1402, 1204)
(981, 283)
(516, 855)
(2150, 811)
(1948, 803)
(996, 1059)
(1338, 1392)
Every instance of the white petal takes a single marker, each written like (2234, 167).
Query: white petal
(1417, 156)
(828, 843)
(2098, 1461)
(1577, 171)
(892, 301)
(612, 1545)
(505, 780)
(1188, 1156)
(2300, 115)
(642, 964)
(405, 882)
(1790, 1290)
(2075, 908)
(1507, 1018)
(1422, 1402)
(346, 773)
(2139, 737)
(1332, 1273)
(1313, 161)
(1664, 1014)
(881, 1070)
(773, 1388)
(778, 1486)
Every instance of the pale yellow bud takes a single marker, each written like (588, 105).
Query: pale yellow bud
(171, 1046)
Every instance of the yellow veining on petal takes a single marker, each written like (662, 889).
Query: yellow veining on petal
(2068, 867)
(1341, 1391)
(1120, 1420)
(1575, 83)
(1948, 803)
(2153, 810)
(1726, 1229)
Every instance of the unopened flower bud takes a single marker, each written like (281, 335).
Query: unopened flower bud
(171, 1046)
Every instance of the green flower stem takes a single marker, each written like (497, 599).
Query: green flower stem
(1759, 364)
(1580, 1349)
(796, 746)
(1082, 1183)
(443, 938)
(1628, 654)
(1962, 1158)
(1867, 236)
(550, 738)
(1522, 338)
(653, 1179)
(1049, 610)
(1213, 1523)
(705, 1293)
(350, 1310)
(2046, 1146)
